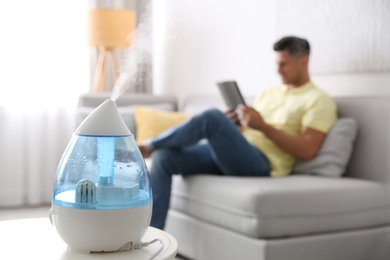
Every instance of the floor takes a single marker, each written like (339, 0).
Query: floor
(33, 212)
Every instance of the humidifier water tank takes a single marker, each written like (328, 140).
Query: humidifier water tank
(102, 198)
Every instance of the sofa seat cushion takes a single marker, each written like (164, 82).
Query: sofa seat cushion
(282, 207)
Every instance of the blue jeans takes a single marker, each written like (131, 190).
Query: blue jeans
(178, 151)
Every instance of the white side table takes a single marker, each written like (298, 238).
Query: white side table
(36, 238)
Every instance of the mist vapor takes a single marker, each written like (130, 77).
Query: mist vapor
(132, 67)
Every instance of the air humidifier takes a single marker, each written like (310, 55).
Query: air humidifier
(102, 198)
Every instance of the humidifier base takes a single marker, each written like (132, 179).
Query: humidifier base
(88, 231)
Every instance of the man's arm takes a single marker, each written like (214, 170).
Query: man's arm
(304, 146)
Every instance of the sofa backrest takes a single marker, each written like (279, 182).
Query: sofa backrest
(128, 99)
(371, 155)
(193, 104)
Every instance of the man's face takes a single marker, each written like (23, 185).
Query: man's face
(290, 68)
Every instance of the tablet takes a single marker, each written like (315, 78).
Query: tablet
(231, 93)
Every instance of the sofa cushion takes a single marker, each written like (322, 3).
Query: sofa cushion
(279, 207)
(333, 157)
(150, 122)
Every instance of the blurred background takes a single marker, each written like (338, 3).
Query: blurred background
(177, 47)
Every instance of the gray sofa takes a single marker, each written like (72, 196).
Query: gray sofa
(292, 218)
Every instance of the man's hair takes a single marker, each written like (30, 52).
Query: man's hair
(294, 45)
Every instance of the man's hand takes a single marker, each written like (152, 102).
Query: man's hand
(232, 115)
(249, 117)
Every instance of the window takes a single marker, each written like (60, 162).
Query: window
(45, 57)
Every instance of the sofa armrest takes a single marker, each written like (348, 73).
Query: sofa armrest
(89, 101)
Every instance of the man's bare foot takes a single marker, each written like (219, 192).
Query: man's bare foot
(145, 152)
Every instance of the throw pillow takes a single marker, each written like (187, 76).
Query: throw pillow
(151, 122)
(128, 117)
(333, 157)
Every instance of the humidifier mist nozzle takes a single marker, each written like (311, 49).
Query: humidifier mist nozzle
(105, 120)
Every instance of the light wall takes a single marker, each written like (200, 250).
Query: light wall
(196, 43)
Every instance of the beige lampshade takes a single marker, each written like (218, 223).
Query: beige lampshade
(110, 28)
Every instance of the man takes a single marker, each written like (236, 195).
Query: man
(285, 123)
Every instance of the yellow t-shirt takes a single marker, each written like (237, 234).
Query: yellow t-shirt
(289, 110)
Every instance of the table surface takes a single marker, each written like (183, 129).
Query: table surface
(36, 238)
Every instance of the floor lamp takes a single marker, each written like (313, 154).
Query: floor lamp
(109, 30)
